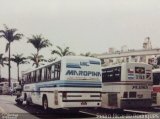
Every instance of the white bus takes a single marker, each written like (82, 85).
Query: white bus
(71, 82)
(127, 85)
(4, 88)
(156, 87)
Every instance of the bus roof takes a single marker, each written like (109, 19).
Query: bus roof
(62, 58)
(116, 65)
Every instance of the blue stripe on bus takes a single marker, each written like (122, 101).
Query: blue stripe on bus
(69, 65)
(72, 86)
(67, 83)
(94, 62)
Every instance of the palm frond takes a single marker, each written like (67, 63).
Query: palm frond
(36, 59)
(10, 34)
(60, 49)
(56, 52)
(62, 52)
(39, 42)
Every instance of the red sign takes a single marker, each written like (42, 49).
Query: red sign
(156, 89)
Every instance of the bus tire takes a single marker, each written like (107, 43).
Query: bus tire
(28, 102)
(25, 97)
(45, 103)
(19, 102)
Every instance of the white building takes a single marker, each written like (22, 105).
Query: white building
(146, 55)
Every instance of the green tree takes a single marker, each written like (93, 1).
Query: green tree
(39, 43)
(10, 35)
(19, 59)
(37, 59)
(62, 52)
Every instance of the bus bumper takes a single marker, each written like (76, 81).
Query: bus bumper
(80, 104)
(136, 103)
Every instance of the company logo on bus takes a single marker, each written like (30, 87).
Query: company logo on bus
(82, 73)
(140, 87)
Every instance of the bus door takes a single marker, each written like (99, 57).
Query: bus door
(113, 99)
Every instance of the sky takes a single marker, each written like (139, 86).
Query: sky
(83, 25)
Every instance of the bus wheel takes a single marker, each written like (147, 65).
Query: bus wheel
(45, 103)
(19, 102)
(27, 102)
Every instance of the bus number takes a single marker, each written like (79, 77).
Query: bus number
(140, 76)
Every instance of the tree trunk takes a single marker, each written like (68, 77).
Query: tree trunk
(9, 65)
(37, 60)
(18, 73)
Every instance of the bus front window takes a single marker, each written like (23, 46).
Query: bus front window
(156, 78)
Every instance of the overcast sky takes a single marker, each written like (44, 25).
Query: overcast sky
(83, 25)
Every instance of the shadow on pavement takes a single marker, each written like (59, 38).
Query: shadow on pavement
(50, 114)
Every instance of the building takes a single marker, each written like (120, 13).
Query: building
(147, 55)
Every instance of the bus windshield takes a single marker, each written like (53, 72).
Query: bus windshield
(156, 78)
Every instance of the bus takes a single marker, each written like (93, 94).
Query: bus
(156, 87)
(127, 85)
(72, 82)
(4, 88)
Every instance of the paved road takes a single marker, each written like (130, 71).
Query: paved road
(8, 105)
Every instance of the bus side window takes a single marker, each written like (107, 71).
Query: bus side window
(59, 70)
(42, 75)
(56, 71)
(49, 73)
(37, 76)
(45, 74)
(52, 72)
(29, 78)
(26, 78)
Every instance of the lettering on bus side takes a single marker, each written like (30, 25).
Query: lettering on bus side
(84, 64)
(140, 87)
(82, 73)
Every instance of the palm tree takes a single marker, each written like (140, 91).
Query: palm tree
(19, 59)
(62, 52)
(10, 35)
(38, 42)
(37, 59)
(87, 54)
